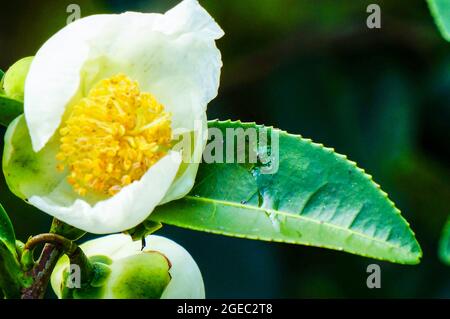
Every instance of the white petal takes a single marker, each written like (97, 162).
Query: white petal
(172, 56)
(185, 179)
(114, 246)
(187, 281)
(54, 76)
(189, 15)
(57, 275)
(126, 209)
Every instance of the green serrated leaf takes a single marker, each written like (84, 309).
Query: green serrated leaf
(9, 109)
(444, 245)
(11, 275)
(440, 9)
(10, 271)
(317, 197)
(7, 231)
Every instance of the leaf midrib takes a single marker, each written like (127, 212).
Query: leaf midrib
(252, 207)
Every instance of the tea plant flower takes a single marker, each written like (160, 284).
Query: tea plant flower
(162, 269)
(106, 101)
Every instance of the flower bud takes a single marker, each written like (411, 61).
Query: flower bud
(121, 269)
(14, 79)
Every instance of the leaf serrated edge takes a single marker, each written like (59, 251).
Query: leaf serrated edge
(290, 242)
(368, 177)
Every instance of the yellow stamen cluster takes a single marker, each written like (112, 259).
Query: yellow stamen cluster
(113, 136)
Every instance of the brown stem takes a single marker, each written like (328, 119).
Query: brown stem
(42, 271)
(55, 246)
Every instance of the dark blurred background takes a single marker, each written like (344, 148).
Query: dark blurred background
(381, 96)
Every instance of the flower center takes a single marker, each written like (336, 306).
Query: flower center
(113, 136)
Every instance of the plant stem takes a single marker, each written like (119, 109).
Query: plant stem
(56, 245)
(42, 271)
(81, 260)
(66, 245)
(70, 232)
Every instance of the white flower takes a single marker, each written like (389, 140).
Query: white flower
(185, 277)
(106, 100)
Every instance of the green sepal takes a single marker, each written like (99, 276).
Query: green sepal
(27, 260)
(142, 276)
(12, 90)
(92, 289)
(14, 78)
(66, 230)
(101, 272)
(27, 172)
(25, 256)
(144, 229)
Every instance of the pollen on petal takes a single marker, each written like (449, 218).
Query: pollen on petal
(113, 136)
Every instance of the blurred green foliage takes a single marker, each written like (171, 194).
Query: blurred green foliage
(440, 9)
(381, 96)
(444, 246)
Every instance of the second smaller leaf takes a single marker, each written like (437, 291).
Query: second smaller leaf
(7, 235)
(444, 245)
